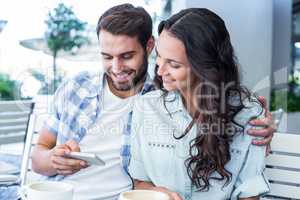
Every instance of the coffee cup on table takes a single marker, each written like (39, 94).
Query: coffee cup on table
(47, 190)
(143, 195)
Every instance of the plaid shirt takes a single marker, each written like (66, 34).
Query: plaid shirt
(76, 108)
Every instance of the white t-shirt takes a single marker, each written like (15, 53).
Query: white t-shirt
(105, 139)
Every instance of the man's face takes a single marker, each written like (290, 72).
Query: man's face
(123, 58)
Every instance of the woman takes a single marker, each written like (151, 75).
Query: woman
(188, 139)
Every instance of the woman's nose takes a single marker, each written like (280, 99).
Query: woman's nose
(161, 67)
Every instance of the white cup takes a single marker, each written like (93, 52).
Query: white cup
(47, 190)
(143, 195)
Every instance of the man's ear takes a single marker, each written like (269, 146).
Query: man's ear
(150, 45)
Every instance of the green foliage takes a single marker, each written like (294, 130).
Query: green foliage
(7, 88)
(64, 30)
(286, 100)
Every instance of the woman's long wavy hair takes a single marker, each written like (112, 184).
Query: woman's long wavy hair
(213, 65)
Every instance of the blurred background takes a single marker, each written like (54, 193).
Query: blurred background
(43, 42)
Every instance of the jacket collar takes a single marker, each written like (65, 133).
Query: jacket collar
(173, 102)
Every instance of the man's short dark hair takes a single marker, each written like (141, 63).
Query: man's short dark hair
(125, 19)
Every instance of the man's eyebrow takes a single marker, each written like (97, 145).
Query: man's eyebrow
(127, 52)
(105, 54)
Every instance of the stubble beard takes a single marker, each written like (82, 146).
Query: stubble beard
(139, 76)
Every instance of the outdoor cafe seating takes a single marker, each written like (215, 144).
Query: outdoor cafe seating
(282, 165)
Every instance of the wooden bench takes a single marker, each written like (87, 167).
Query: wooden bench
(283, 167)
(42, 110)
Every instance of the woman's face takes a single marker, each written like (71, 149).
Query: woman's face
(173, 65)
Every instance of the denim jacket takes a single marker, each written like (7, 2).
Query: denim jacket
(159, 158)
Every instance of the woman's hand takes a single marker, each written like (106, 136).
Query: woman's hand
(144, 185)
(172, 195)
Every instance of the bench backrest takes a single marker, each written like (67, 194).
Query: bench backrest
(14, 117)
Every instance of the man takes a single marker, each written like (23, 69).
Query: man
(91, 111)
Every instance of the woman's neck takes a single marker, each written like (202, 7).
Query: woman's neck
(189, 102)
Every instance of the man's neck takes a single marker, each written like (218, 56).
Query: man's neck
(128, 93)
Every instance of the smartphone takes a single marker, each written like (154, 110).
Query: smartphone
(277, 115)
(90, 158)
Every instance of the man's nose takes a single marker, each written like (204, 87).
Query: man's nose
(116, 65)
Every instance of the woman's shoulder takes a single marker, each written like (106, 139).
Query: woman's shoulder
(154, 97)
(252, 108)
(149, 100)
(153, 93)
(158, 101)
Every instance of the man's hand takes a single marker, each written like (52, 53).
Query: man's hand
(269, 128)
(63, 165)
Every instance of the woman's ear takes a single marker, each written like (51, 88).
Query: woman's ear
(150, 45)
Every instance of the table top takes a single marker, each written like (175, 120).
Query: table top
(10, 192)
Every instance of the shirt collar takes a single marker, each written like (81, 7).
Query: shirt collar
(148, 85)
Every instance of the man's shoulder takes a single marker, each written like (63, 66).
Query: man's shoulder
(88, 81)
(77, 88)
(87, 77)
(252, 109)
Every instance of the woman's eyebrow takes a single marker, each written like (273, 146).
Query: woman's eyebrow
(168, 59)
(171, 60)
